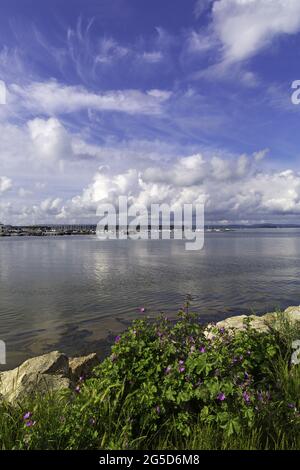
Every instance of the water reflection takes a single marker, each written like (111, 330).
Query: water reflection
(69, 293)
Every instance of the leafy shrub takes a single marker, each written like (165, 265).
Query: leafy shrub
(172, 385)
(192, 373)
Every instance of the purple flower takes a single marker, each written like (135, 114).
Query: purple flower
(142, 310)
(221, 396)
(77, 389)
(159, 334)
(117, 339)
(29, 423)
(246, 396)
(246, 375)
(27, 415)
(181, 362)
(222, 330)
(292, 406)
(202, 349)
(168, 369)
(81, 378)
(181, 369)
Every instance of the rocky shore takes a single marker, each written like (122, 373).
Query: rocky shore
(55, 371)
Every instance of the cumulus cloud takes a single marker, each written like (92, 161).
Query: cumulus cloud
(52, 98)
(236, 190)
(50, 140)
(5, 184)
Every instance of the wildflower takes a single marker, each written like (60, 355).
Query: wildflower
(168, 369)
(292, 406)
(142, 310)
(117, 339)
(181, 369)
(29, 423)
(202, 349)
(81, 378)
(77, 389)
(222, 330)
(246, 396)
(27, 415)
(221, 396)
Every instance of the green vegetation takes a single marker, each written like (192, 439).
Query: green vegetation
(170, 385)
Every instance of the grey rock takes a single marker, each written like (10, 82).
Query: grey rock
(82, 366)
(41, 374)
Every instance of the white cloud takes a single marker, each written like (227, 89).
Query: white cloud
(235, 190)
(110, 51)
(5, 184)
(152, 57)
(50, 140)
(246, 26)
(53, 98)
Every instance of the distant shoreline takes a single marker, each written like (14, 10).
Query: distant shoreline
(90, 229)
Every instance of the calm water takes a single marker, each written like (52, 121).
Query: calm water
(74, 293)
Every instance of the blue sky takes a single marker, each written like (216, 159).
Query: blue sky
(175, 101)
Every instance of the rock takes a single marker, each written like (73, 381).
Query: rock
(238, 323)
(293, 314)
(40, 374)
(261, 324)
(82, 366)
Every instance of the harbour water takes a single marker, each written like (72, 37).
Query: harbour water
(76, 293)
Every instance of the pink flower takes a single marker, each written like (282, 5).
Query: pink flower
(142, 310)
(221, 396)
